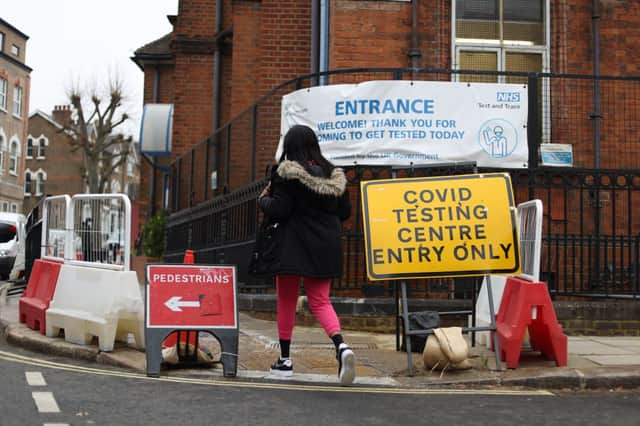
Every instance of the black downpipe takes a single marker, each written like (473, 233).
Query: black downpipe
(597, 113)
(315, 40)
(215, 110)
(152, 160)
(414, 52)
(533, 126)
(215, 118)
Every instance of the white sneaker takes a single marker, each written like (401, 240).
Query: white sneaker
(346, 364)
(282, 368)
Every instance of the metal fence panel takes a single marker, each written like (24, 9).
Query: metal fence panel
(101, 231)
(57, 220)
(529, 216)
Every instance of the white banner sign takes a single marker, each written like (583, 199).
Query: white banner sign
(419, 122)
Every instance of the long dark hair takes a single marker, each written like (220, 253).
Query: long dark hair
(301, 145)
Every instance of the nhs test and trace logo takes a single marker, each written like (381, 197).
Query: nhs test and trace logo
(508, 96)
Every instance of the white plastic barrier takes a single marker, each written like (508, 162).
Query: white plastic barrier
(96, 302)
(529, 219)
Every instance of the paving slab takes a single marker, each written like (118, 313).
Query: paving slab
(615, 360)
(591, 347)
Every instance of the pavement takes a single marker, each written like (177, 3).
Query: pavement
(593, 362)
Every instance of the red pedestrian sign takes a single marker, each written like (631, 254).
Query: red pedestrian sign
(191, 297)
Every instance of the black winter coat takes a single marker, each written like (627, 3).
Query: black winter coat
(310, 207)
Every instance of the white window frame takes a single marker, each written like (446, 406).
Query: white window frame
(41, 178)
(28, 174)
(130, 165)
(15, 50)
(5, 206)
(30, 144)
(43, 142)
(17, 101)
(503, 49)
(14, 157)
(3, 148)
(4, 88)
(14, 207)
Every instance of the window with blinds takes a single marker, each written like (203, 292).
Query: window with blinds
(501, 21)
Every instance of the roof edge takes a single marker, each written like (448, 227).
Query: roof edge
(20, 33)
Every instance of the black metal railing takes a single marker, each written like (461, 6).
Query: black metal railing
(590, 237)
(561, 110)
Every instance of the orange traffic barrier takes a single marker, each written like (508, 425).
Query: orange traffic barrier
(515, 316)
(190, 336)
(38, 294)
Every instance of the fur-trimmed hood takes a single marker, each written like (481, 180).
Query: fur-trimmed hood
(334, 185)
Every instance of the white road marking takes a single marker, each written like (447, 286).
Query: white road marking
(35, 378)
(56, 424)
(45, 402)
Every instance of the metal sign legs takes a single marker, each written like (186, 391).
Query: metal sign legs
(228, 343)
(408, 332)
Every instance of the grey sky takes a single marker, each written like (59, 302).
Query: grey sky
(85, 42)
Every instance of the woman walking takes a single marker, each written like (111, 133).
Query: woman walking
(308, 196)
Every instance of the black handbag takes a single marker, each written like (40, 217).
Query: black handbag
(265, 257)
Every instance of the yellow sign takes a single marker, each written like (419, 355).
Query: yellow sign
(440, 227)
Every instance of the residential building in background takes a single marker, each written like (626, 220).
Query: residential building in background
(14, 106)
(126, 175)
(51, 167)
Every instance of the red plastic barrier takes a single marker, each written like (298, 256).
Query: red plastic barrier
(38, 294)
(515, 316)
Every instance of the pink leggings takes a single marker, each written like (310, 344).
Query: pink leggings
(318, 297)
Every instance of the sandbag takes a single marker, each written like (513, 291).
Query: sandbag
(446, 349)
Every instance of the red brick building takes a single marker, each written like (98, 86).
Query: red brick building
(225, 56)
(214, 67)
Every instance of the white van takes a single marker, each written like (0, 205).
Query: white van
(12, 245)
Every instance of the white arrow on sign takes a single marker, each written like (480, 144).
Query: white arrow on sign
(175, 303)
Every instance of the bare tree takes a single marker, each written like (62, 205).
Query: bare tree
(94, 125)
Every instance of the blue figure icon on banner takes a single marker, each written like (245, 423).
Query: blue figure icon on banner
(498, 138)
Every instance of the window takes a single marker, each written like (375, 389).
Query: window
(5, 206)
(130, 165)
(29, 147)
(3, 93)
(14, 208)
(3, 148)
(1, 41)
(14, 153)
(17, 101)
(42, 143)
(15, 50)
(27, 183)
(40, 178)
(502, 35)
(501, 21)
